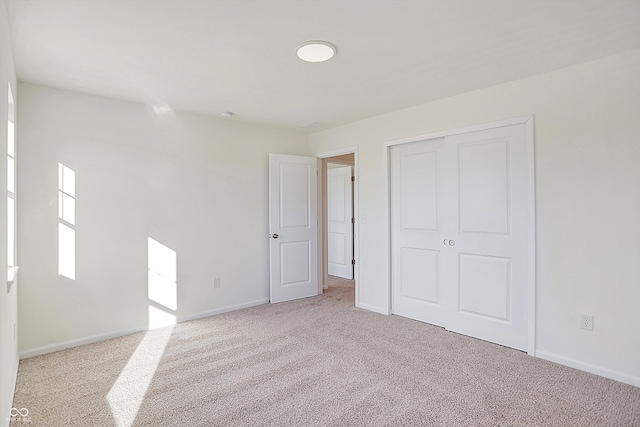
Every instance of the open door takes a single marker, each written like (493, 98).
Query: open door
(340, 222)
(293, 227)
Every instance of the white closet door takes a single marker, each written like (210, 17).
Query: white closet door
(490, 231)
(460, 233)
(418, 217)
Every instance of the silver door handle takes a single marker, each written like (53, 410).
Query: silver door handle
(452, 242)
(274, 235)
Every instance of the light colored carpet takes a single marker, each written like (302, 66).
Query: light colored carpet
(312, 362)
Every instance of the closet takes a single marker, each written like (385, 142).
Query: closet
(461, 220)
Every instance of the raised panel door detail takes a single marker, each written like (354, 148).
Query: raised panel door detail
(418, 191)
(419, 274)
(417, 228)
(484, 187)
(485, 286)
(337, 248)
(293, 233)
(475, 190)
(294, 195)
(337, 209)
(296, 257)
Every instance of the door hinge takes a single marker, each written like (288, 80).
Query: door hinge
(353, 220)
(353, 178)
(353, 262)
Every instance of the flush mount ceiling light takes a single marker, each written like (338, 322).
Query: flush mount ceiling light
(316, 51)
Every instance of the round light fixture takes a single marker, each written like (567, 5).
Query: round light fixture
(316, 51)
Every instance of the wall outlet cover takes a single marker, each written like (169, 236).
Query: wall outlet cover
(586, 322)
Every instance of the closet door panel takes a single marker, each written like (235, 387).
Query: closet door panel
(417, 288)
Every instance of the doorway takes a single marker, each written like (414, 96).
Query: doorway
(339, 225)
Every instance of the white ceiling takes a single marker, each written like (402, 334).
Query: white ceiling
(214, 56)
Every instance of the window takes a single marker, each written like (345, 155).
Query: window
(11, 181)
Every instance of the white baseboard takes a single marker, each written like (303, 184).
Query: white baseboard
(103, 337)
(587, 367)
(224, 310)
(39, 351)
(373, 308)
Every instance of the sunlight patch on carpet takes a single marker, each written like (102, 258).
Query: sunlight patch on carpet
(127, 394)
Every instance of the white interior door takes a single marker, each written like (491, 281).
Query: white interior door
(490, 235)
(418, 215)
(339, 222)
(293, 227)
(460, 235)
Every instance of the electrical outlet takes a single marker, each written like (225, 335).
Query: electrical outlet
(586, 322)
(216, 282)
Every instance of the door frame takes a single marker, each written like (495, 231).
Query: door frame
(322, 214)
(531, 208)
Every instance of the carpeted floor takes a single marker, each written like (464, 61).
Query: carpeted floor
(312, 362)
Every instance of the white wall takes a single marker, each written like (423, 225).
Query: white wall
(196, 184)
(8, 300)
(587, 142)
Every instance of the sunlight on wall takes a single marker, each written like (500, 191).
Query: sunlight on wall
(66, 251)
(161, 109)
(66, 194)
(66, 222)
(159, 318)
(127, 394)
(162, 285)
